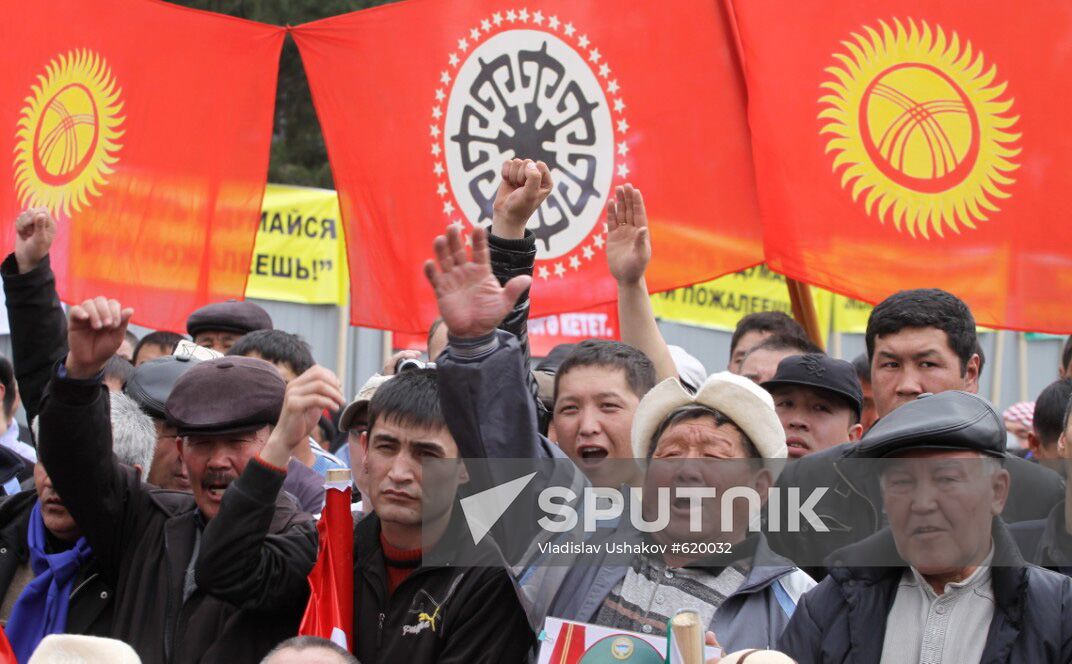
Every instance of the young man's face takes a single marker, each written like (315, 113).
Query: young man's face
(396, 485)
(593, 420)
(916, 360)
(745, 344)
(813, 419)
(214, 461)
(150, 352)
(761, 364)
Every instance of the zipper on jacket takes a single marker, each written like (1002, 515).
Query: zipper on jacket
(379, 633)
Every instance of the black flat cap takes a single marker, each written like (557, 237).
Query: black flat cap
(951, 420)
(229, 316)
(153, 381)
(226, 395)
(820, 371)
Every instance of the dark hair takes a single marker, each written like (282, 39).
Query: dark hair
(165, 340)
(118, 367)
(1050, 406)
(1066, 354)
(276, 346)
(926, 307)
(863, 367)
(639, 371)
(695, 412)
(300, 643)
(780, 342)
(7, 379)
(411, 398)
(776, 322)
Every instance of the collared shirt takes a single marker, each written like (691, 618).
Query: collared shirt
(928, 628)
(10, 440)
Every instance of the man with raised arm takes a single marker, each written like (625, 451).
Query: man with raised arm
(216, 576)
(745, 596)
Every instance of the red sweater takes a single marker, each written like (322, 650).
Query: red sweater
(400, 564)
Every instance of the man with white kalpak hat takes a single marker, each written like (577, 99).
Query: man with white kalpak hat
(726, 433)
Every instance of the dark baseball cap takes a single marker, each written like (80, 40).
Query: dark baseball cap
(229, 316)
(822, 372)
(153, 381)
(952, 420)
(226, 395)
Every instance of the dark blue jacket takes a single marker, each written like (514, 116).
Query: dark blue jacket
(843, 619)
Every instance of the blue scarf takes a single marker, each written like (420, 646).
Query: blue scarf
(41, 608)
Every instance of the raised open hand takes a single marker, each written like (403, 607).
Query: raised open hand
(95, 330)
(525, 186)
(628, 243)
(471, 301)
(35, 230)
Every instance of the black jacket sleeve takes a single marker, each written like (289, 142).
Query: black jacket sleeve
(241, 561)
(38, 328)
(509, 259)
(105, 498)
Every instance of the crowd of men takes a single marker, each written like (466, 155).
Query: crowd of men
(167, 494)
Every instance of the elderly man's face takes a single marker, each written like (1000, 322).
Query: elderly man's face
(214, 461)
(57, 519)
(940, 505)
(217, 340)
(167, 470)
(700, 453)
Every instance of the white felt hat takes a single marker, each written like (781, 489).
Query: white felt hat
(80, 649)
(749, 406)
(757, 657)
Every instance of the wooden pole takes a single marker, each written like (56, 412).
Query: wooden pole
(999, 366)
(342, 351)
(1022, 348)
(804, 310)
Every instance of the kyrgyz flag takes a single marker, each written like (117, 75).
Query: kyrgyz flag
(144, 127)
(421, 102)
(916, 143)
(330, 612)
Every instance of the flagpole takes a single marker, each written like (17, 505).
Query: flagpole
(804, 310)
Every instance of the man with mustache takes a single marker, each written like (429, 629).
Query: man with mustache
(220, 575)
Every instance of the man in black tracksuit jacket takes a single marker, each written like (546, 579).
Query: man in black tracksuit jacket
(464, 608)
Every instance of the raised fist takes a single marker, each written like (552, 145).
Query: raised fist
(35, 230)
(95, 330)
(525, 186)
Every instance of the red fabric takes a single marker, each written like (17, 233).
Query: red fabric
(171, 225)
(1014, 268)
(330, 612)
(397, 573)
(547, 332)
(668, 116)
(569, 645)
(7, 655)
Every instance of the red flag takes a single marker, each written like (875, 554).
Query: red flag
(330, 612)
(916, 143)
(421, 101)
(144, 127)
(7, 654)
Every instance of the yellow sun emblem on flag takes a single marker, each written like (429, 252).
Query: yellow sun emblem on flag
(67, 138)
(919, 127)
